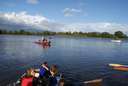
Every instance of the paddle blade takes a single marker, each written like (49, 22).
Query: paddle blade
(96, 81)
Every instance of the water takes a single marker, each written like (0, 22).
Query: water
(79, 59)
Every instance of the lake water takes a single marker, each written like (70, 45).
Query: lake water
(79, 59)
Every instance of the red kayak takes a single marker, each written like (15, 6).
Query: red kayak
(43, 43)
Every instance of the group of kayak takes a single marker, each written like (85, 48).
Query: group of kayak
(44, 76)
(44, 42)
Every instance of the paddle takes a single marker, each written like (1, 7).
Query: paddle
(98, 80)
(95, 81)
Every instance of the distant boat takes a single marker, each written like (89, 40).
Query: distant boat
(116, 40)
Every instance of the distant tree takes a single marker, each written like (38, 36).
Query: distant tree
(46, 33)
(10, 32)
(106, 35)
(119, 34)
(81, 33)
(16, 32)
(75, 33)
(4, 31)
(68, 33)
(0, 31)
(22, 32)
(93, 34)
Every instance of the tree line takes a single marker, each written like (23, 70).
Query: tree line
(117, 34)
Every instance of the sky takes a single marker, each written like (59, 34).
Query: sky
(66, 15)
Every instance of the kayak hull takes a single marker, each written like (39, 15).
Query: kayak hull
(119, 67)
(118, 41)
(48, 44)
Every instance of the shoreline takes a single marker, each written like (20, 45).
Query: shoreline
(69, 36)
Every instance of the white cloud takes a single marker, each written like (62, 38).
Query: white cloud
(43, 23)
(24, 18)
(32, 1)
(71, 11)
(97, 27)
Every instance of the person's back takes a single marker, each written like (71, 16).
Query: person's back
(44, 74)
(52, 81)
(44, 70)
(27, 79)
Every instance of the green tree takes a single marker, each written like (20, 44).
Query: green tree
(119, 34)
(0, 31)
(106, 35)
(22, 32)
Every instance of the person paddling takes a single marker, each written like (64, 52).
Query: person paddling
(44, 74)
(44, 70)
(61, 82)
(53, 79)
(27, 80)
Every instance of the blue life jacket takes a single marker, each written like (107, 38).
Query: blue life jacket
(42, 71)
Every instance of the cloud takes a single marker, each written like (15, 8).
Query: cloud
(71, 11)
(32, 1)
(97, 27)
(38, 22)
(23, 17)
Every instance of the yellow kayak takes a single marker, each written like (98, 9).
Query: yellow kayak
(115, 65)
(119, 67)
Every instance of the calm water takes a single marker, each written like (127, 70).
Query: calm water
(79, 59)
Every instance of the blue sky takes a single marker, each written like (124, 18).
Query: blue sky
(72, 11)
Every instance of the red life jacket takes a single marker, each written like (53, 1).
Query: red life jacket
(26, 81)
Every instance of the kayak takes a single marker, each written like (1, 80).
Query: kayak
(119, 67)
(116, 41)
(43, 44)
(115, 65)
(39, 43)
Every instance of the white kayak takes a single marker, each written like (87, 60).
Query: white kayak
(118, 41)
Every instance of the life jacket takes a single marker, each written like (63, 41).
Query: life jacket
(42, 71)
(26, 81)
(52, 81)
